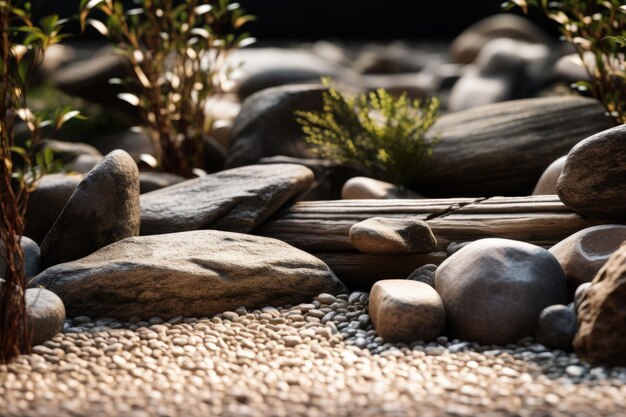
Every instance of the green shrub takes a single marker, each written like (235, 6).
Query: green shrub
(178, 59)
(22, 47)
(383, 134)
(597, 29)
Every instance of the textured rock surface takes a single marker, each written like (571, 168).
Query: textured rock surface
(406, 311)
(593, 182)
(380, 235)
(425, 274)
(472, 159)
(266, 125)
(32, 258)
(46, 202)
(103, 209)
(583, 254)
(547, 182)
(601, 337)
(557, 327)
(370, 188)
(236, 200)
(46, 314)
(495, 289)
(198, 273)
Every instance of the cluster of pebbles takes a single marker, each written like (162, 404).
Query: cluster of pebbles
(317, 359)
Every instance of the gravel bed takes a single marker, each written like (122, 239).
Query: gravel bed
(317, 359)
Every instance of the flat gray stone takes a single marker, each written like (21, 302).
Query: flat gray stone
(406, 311)
(425, 274)
(236, 200)
(103, 209)
(380, 235)
(198, 273)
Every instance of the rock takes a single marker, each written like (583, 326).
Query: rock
(601, 337)
(83, 163)
(370, 188)
(547, 182)
(198, 273)
(504, 70)
(581, 293)
(454, 247)
(266, 125)
(394, 58)
(272, 67)
(236, 200)
(425, 274)
(46, 314)
(570, 69)
(380, 235)
(103, 209)
(89, 77)
(557, 327)
(471, 159)
(67, 152)
(593, 181)
(46, 202)
(406, 311)
(582, 254)
(32, 258)
(153, 180)
(467, 46)
(329, 176)
(495, 289)
(414, 85)
(136, 143)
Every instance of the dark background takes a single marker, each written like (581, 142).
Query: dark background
(350, 19)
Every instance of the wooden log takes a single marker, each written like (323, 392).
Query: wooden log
(503, 148)
(322, 227)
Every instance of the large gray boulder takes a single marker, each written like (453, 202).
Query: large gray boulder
(103, 209)
(502, 148)
(198, 273)
(593, 181)
(236, 200)
(495, 289)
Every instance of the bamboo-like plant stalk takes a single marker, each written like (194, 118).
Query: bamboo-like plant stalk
(14, 335)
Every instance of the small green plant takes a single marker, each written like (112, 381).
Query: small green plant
(383, 134)
(22, 47)
(597, 29)
(177, 52)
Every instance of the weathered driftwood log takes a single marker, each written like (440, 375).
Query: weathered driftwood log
(502, 148)
(322, 227)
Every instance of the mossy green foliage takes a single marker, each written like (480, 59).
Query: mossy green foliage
(597, 29)
(377, 132)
